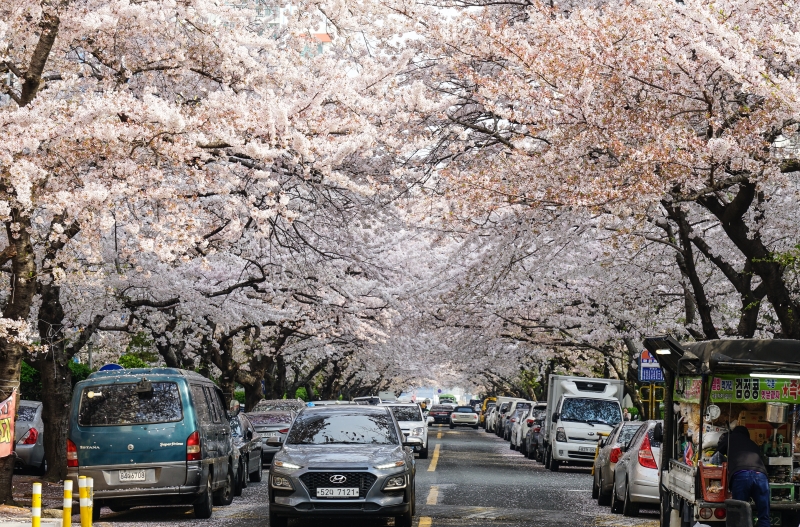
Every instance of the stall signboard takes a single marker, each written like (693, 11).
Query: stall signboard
(739, 389)
(649, 370)
(7, 413)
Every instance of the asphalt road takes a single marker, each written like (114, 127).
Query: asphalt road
(471, 479)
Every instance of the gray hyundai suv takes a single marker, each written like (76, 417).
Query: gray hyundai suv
(343, 461)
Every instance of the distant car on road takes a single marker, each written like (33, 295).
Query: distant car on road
(29, 438)
(636, 474)
(413, 425)
(345, 461)
(514, 415)
(248, 441)
(440, 413)
(464, 416)
(610, 452)
(519, 430)
(534, 439)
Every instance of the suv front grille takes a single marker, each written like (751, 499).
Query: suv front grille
(362, 480)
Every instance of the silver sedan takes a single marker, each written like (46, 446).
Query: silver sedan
(637, 472)
(606, 460)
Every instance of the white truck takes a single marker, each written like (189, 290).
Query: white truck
(578, 408)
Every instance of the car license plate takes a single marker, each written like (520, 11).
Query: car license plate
(270, 434)
(131, 475)
(348, 492)
(586, 449)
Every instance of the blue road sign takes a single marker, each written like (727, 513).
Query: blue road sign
(649, 370)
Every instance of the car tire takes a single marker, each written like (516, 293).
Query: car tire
(224, 496)
(475, 427)
(595, 486)
(616, 503)
(239, 481)
(551, 464)
(258, 475)
(452, 426)
(204, 506)
(603, 499)
(629, 508)
(512, 446)
(405, 520)
(277, 521)
(423, 452)
(523, 449)
(42, 468)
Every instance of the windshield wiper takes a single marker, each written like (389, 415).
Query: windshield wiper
(598, 421)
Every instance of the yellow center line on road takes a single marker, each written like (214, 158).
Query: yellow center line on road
(433, 495)
(434, 459)
(425, 522)
(439, 435)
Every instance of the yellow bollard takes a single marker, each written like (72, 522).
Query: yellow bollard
(66, 513)
(86, 510)
(36, 505)
(90, 493)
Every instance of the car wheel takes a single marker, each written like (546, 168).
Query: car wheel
(239, 481)
(224, 496)
(603, 498)
(423, 452)
(406, 520)
(258, 475)
(523, 449)
(204, 507)
(475, 427)
(96, 508)
(452, 426)
(616, 503)
(595, 486)
(553, 465)
(629, 508)
(277, 521)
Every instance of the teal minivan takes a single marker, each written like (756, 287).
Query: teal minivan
(154, 436)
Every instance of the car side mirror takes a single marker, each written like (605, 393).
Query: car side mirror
(274, 441)
(658, 433)
(555, 416)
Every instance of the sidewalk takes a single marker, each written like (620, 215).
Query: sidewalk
(52, 502)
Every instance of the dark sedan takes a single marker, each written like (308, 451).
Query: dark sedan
(343, 461)
(248, 441)
(441, 413)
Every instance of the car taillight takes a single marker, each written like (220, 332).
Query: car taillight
(536, 429)
(193, 452)
(284, 431)
(529, 421)
(29, 438)
(720, 514)
(72, 454)
(615, 454)
(646, 458)
(513, 419)
(705, 513)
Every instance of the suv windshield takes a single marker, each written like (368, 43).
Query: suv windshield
(406, 413)
(121, 404)
(343, 428)
(600, 411)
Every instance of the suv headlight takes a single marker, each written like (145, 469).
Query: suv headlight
(419, 431)
(395, 483)
(560, 435)
(281, 482)
(393, 464)
(286, 466)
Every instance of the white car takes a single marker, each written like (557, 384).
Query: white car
(519, 429)
(464, 416)
(413, 424)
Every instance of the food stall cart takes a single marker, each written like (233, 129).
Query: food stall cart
(717, 385)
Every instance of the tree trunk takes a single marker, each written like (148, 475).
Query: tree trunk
(57, 376)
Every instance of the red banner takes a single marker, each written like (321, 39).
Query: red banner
(7, 414)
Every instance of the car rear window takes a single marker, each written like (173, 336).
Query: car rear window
(26, 413)
(121, 404)
(465, 410)
(406, 413)
(343, 428)
(270, 419)
(627, 433)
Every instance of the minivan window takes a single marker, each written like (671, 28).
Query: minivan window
(200, 404)
(119, 404)
(211, 398)
(406, 413)
(343, 428)
(26, 413)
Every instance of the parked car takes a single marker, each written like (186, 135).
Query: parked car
(518, 425)
(413, 424)
(636, 473)
(513, 415)
(520, 430)
(248, 442)
(440, 413)
(374, 475)
(610, 450)
(534, 439)
(502, 429)
(488, 404)
(275, 423)
(152, 436)
(464, 416)
(495, 416)
(29, 438)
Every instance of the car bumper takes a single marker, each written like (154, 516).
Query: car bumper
(463, 422)
(167, 482)
(28, 456)
(441, 418)
(574, 452)
(339, 508)
(644, 486)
